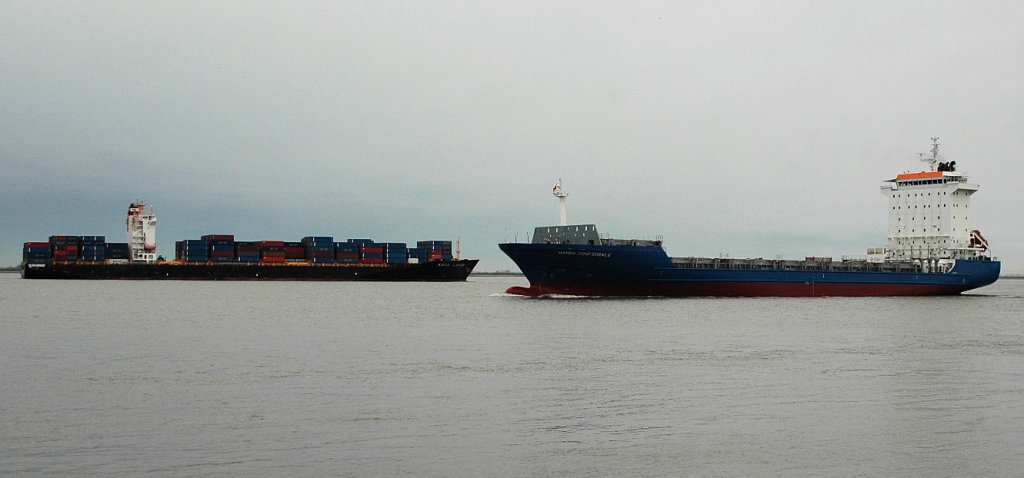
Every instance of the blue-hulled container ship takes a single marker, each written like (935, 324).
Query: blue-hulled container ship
(932, 250)
(221, 257)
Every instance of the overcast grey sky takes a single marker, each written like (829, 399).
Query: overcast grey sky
(744, 128)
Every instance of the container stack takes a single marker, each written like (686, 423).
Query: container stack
(222, 247)
(92, 248)
(395, 253)
(272, 251)
(192, 250)
(346, 252)
(370, 252)
(247, 251)
(118, 252)
(416, 254)
(434, 251)
(36, 252)
(65, 248)
(294, 252)
(319, 248)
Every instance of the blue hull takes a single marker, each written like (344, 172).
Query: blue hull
(603, 270)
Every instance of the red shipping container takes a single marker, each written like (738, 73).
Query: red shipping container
(272, 259)
(272, 243)
(378, 260)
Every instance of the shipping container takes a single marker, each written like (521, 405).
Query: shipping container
(434, 244)
(65, 239)
(219, 237)
(318, 240)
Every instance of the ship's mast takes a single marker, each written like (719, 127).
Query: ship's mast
(933, 162)
(559, 193)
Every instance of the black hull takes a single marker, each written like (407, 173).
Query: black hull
(623, 271)
(434, 271)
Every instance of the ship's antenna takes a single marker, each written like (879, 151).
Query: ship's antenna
(934, 160)
(559, 193)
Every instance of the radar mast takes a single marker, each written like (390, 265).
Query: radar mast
(933, 162)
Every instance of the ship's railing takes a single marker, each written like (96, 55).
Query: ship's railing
(630, 242)
(815, 264)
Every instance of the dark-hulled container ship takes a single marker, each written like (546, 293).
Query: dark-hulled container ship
(932, 250)
(221, 257)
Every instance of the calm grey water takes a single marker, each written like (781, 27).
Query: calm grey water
(327, 379)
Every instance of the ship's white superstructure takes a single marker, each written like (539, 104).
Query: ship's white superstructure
(141, 225)
(929, 216)
(560, 193)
